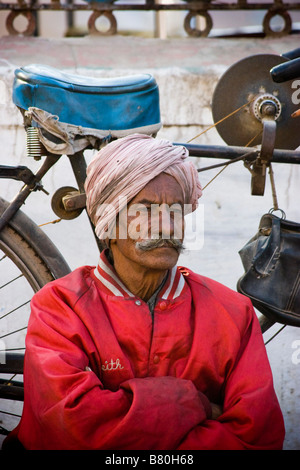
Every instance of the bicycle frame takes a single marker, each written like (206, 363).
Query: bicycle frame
(33, 181)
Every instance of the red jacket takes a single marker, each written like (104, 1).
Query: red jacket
(100, 374)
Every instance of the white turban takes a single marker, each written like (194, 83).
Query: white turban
(122, 169)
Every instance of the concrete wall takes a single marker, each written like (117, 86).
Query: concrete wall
(187, 72)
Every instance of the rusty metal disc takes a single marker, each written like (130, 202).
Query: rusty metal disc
(246, 81)
(30, 27)
(112, 29)
(267, 23)
(194, 30)
(57, 203)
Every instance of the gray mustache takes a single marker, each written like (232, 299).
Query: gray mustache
(151, 244)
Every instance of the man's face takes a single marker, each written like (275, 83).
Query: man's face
(155, 212)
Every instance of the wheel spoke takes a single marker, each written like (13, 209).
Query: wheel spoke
(12, 280)
(12, 349)
(10, 413)
(15, 309)
(12, 332)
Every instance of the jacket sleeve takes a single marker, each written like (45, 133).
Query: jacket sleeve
(67, 407)
(251, 417)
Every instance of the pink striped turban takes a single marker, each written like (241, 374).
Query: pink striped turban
(121, 169)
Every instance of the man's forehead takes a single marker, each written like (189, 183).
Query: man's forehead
(163, 188)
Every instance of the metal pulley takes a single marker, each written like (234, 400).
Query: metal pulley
(264, 111)
(68, 203)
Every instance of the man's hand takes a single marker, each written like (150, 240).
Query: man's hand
(216, 411)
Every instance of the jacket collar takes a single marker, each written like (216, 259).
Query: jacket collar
(112, 285)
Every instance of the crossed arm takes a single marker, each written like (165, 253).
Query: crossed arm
(67, 406)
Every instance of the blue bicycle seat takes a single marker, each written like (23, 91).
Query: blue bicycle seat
(124, 103)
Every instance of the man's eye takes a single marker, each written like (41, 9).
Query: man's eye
(142, 208)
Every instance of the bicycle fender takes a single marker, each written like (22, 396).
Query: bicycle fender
(39, 241)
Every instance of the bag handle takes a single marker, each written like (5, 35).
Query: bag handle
(265, 260)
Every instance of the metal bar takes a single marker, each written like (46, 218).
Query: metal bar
(19, 173)
(78, 164)
(250, 157)
(20, 198)
(265, 323)
(11, 392)
(13, 364)
(287, 71)
(195, 6)
(292, 54)
(231, 152)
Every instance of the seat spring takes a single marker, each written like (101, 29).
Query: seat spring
(34, 148)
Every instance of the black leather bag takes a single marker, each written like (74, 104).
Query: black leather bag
(271, 260)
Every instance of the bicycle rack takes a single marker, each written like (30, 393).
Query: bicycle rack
(29, 8)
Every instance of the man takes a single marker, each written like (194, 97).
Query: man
(138, 353)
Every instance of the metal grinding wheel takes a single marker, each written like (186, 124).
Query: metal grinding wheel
(250, 80)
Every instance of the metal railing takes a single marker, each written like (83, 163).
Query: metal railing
(195, 10)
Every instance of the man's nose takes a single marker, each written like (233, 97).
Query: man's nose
(165, 223)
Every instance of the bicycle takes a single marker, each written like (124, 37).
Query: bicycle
(29, 256)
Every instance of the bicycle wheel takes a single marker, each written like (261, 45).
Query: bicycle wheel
(24, 269)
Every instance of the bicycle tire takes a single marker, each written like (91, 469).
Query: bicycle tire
(24, 256)
(31, 259)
